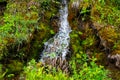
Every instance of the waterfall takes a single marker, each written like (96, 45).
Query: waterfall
(58, 46)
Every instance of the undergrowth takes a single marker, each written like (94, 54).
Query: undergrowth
(85, 71)
(24, 31)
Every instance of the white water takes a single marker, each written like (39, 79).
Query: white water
(58, 46)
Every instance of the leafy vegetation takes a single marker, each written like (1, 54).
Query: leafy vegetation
(26, 24)
(34, 71)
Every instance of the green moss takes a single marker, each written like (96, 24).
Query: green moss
(15, 66)
(23, 32)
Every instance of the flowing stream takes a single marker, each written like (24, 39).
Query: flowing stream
(58, 46)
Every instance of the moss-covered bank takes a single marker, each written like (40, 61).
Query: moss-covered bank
(26, 24)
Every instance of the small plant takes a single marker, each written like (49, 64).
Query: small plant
(88, 71)
(2, 74)
(35, 72)
(81, 70)
(84, 67)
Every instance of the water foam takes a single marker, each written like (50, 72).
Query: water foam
(58, 46)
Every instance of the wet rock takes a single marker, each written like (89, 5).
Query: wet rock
(115, 59)
(58, 63)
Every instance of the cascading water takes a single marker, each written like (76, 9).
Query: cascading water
(58, 46)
